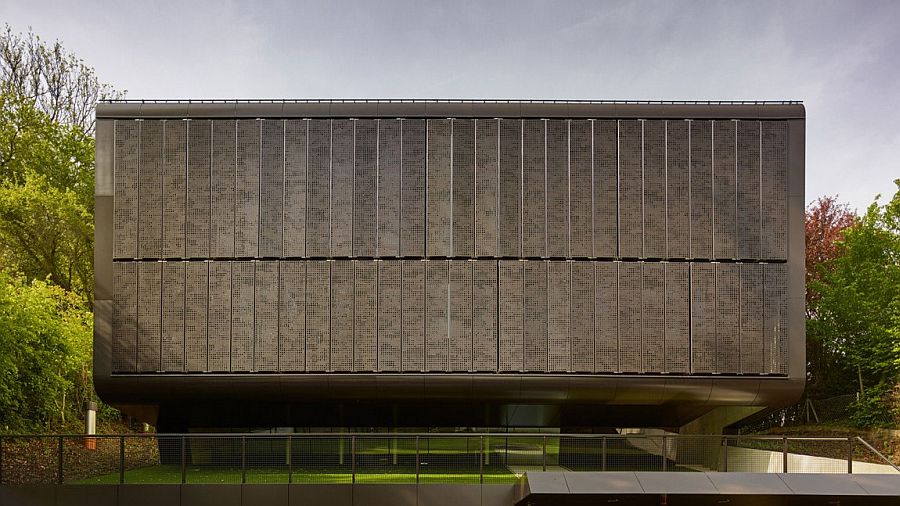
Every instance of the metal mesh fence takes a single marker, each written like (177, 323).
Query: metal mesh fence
(409, 458)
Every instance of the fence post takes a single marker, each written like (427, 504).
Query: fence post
(59, 475)
(665, 460)
(290, 459)
(121, 459)
(603, 452)
(544, 452)
(243, 459)
(725, 464)
(481, 459)
(1, 460)
(352, 459)
(417, 460)
(183, 460)
(850, 455)
(784, 456)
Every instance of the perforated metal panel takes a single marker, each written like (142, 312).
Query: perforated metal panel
(703, 318)
(463, 168)
(582, 316)
(559, 323)
(196, 297)
(653, 317)
(773, 237)
(581, 179)
(389, 190)
(654, 189)
(124, 343)
(536, 316)
(413, 315)
(292, 316)
(701, 189)
(728, 344)
(341, 315)
(125, 196)
(272, 194)
(365, 343)
(678, 318)
(751, 325)
(150, 190)
(485, 315)
(173, 324)
(222, 185)
(265, 307)
(198, 196)
(630, 189)
(630, 352)
(364, 182)
(242, 288)
(775, 330)
(511, 315)
(390, 318)
(678, 190)
(295, 187)
(461, 280)
(437, 345)
(534, 189)
(606, 317)
(438, 215)
(174, 188)
(342, 188)
(149, 314)
(318, 322)
(246, 194)
(606, 188)
(724, 190)
(318, 196)
(219, 333)
(412, 191)
(510, 188)
(487, 187)
(558, 188)
(748, 195)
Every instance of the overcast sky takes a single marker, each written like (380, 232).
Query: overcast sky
(842, 59)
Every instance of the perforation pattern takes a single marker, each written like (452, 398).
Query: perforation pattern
(582, 316)
(126, 180)
(678, 318)
(581, 232)
(173, 321)
(219, 337)
(292, 316)
(364, 183)
(485, 315)
(342, 188)
(318, 315)
(246, 194)
(606, 188)
(266, 309)
(487, 187)
(272, 194)
(630, 352)
(174, 188)
(606, 319)
(196, 325)
(413, 314)
(678, 190)
(534, 186)
(725, 205)
(752, 297)
(463, 188)
(365, 345)
(149, 314)
(390, 317)
(438, 215)
(653, 317)
(318, 210)
(559, 323)
(774, 190)
(341, 316)
(150, 190)
(558, 188)
(701, 189)
(654, 191)
(775, 331)
(437, 344)
(124, 343)
(536, 316)
(703, 318)
(461, 285)
(388, 188)
(242, 321)
(198, 184)
(412, 192)
(295, 187)
(748, 189)
(510, 187)
(222, 186)
(511, 310)
(728, 346)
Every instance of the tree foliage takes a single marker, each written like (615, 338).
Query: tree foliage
(61, 86)
(45, 348)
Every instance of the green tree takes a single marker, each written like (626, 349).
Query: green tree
(857, 313)
(45, 340)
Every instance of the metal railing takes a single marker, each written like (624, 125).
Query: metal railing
(474, 458)
(437, 101)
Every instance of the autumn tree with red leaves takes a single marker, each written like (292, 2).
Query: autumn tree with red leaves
(826, 221)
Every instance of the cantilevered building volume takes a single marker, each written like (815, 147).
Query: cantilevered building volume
(441, 263)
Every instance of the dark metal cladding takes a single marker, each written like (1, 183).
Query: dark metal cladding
(509, 263)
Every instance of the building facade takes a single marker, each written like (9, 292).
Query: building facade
(517, 263)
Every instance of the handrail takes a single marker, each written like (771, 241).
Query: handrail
(880, 455)
(430, 434)
(439, 101)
